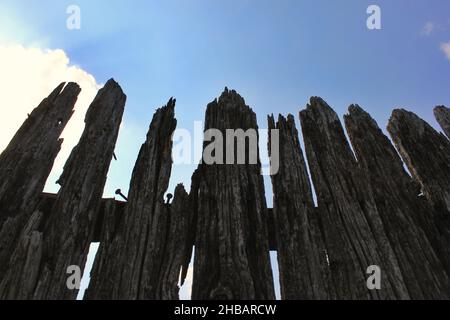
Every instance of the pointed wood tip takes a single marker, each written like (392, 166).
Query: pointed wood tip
(319, 108)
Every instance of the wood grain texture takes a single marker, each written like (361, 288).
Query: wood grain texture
(354, 234)
(145, 258)
(426, 152)
(26, 163)
(231, 245)
(63, 235)
(370, 210)
(103, 276)
(442, 115)
(302, 260)
(397, 201)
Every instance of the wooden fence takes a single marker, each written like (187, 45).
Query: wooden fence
(370, 211)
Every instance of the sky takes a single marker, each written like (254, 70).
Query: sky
(276, 54)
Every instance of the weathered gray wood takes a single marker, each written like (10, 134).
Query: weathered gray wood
(138, 252)
(102, 285)
(103, 276)
(67, 233)
(427, 155)
(177, 236)
(397, 202)
(370, 211)
(23, 266)
(353, 231)
(63, 237)
(304, 271)
(192, 225)
(231, 246)
(442, 115)
(146, 213)
(271, 232)
(26, 163)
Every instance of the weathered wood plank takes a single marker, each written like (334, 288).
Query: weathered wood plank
(26, 163)
(146, 213)
(398, 202)
(192, 225)
(103, 277)
(427, 155)
(67, 232)
(231, 246)
(177, 236)
(370, 211)
(304, 271)
(353, 231)
(442, 115)
(63, 236)
(137, 254)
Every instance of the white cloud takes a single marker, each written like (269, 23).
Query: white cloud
(27, 76)
(428, 28)
(446, 48)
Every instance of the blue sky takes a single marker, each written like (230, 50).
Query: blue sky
(275, 53)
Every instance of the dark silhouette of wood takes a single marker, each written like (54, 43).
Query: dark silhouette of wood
(192, 226)
(177, 234)
(426, 152)
(103, 277)
(68, 230)
(146, 241)
(398, 202)
(146, 213)
(442, 115)
(63, 237)
(231, 245)
(101, 286)
(304, 271)
(271, 232)
(370, 211)
(354, 234)
(26, 163)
